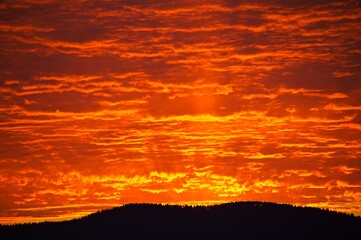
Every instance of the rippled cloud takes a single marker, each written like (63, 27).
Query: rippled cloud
(190, 102)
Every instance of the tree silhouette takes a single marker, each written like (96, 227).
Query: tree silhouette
(239, 220)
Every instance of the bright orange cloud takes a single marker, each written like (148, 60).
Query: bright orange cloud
(196, 102)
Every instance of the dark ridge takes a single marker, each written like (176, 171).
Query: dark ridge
(239, 220)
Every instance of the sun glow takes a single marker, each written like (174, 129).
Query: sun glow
(104, 103)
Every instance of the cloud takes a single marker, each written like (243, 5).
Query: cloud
(105, 103)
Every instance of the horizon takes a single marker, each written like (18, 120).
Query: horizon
(181, 205)
(104, 103)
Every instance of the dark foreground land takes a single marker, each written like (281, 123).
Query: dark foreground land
(242, 220)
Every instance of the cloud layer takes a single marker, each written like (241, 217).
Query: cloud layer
(104, 103)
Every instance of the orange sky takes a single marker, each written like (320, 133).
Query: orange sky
(109, 102)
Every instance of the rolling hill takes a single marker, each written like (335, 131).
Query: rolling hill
(239, 220)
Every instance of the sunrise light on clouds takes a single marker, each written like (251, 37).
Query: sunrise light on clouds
(193, 102)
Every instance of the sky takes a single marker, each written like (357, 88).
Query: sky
(109, 102)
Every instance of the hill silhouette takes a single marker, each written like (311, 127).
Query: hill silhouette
(240, 220)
